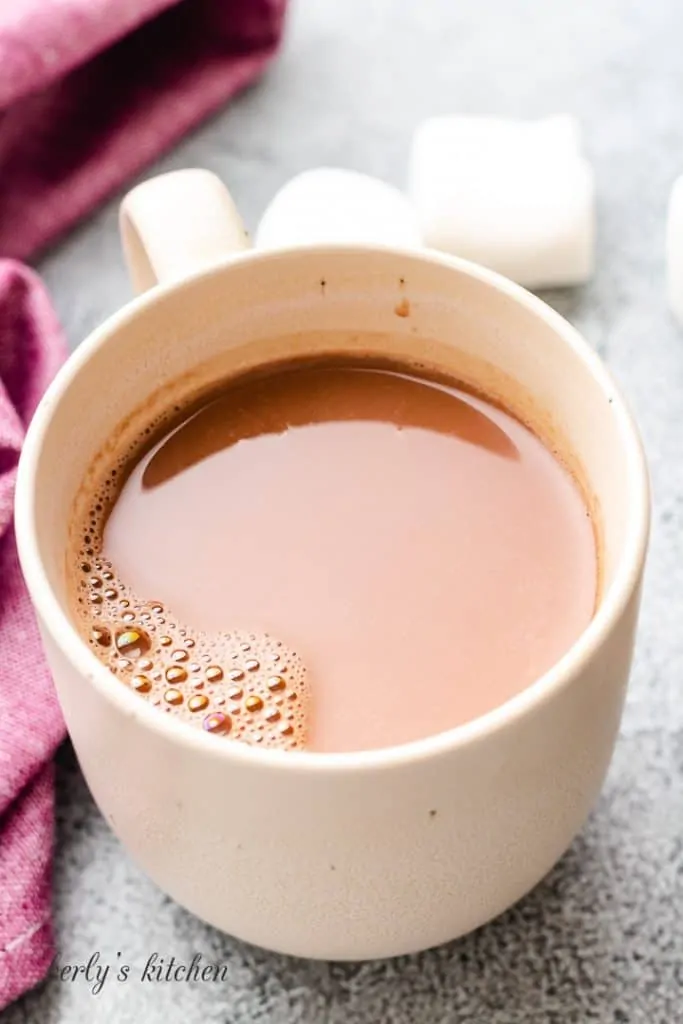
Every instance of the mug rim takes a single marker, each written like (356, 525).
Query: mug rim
(77, 653)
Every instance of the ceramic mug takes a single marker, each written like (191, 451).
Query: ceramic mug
(349, 855)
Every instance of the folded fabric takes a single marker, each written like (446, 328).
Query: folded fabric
(31, 725)
(92, 90)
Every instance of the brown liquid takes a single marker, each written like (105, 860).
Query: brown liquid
(423, 552)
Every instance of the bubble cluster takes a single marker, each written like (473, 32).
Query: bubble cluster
(245, 686)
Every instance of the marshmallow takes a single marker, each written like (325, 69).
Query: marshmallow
(516, 196)
(674, 250)
(332, 205)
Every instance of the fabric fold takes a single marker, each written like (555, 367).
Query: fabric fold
(31, 725)
(91, 91)
(26, 938)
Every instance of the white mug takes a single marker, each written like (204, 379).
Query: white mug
(348, 855)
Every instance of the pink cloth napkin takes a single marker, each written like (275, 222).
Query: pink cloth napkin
(31, 726)
(90, 92)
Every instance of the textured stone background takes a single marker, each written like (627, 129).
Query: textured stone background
(602, 938)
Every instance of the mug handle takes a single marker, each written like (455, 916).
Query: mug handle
(176, 224)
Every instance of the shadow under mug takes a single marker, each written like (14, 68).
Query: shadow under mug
(350, 855)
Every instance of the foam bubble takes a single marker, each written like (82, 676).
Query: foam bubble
(242, 685)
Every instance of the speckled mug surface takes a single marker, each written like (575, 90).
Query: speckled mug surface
(340, 856)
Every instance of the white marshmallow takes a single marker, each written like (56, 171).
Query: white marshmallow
(333, 205)
(555, 138)
(515, 196)
(674, 250)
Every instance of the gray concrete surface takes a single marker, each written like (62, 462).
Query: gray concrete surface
(602, 938)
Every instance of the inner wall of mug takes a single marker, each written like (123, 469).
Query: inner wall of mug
(172, 345)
